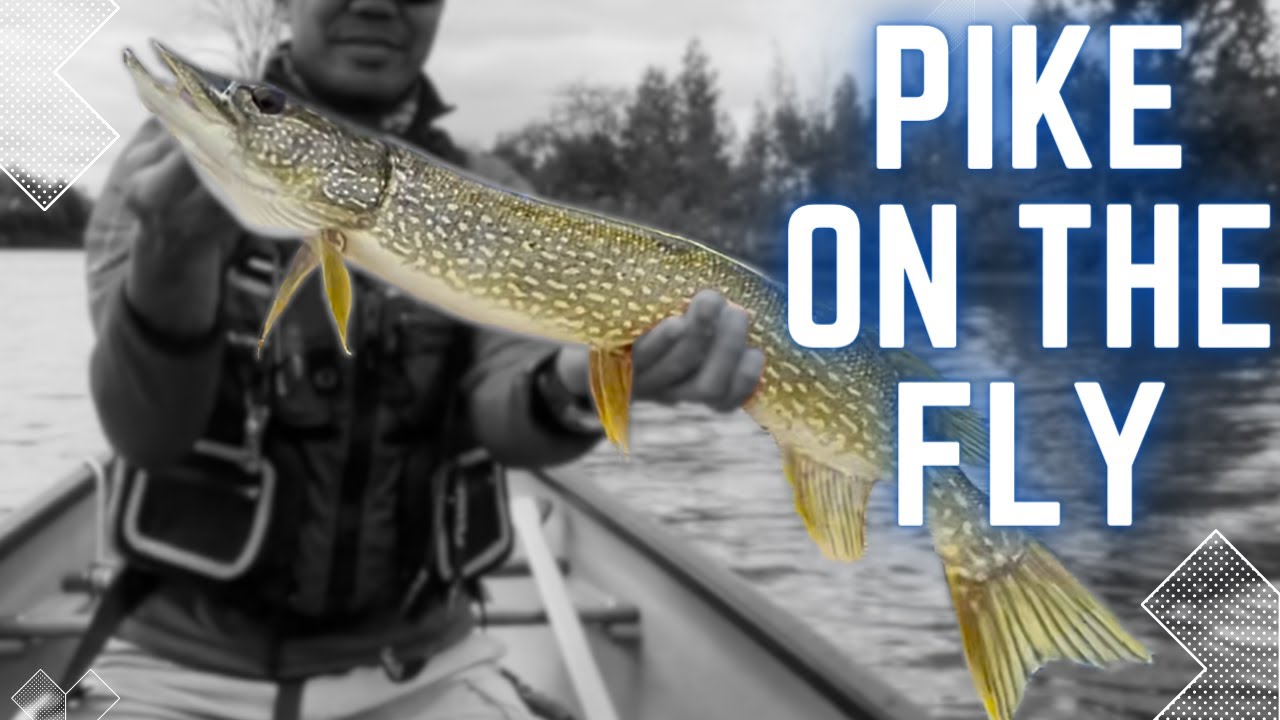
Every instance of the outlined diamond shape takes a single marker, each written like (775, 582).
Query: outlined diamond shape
(49, 135)
(953, 18)
(40, 698)
(1225, 614)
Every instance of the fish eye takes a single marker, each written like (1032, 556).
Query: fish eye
(268, 99)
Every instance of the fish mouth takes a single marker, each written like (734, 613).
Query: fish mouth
(198, 109)
(195, 101)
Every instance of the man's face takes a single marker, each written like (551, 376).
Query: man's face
(362, 52)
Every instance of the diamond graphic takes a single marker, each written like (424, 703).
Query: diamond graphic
(40, 698)
(953, 18)
(48, 134)
(1226, 615)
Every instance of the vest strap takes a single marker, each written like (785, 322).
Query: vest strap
(288, 704)
(125, 593)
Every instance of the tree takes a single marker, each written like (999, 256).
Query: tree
(663, 154)
(841, 165)
(704, 136)
(754, 192)
(1225, 83)
(651, 143)
(575, 155)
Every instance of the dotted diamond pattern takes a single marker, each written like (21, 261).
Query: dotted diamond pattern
(1227, 615)
(953, 18)
(41, 698)
(48, 134)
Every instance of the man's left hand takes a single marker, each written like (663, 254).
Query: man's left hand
(700, 357)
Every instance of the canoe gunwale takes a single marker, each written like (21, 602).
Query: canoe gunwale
(29, 519)
(850, 687)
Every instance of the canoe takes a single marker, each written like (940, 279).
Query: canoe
(601, 609)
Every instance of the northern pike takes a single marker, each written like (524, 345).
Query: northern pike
(489, 255)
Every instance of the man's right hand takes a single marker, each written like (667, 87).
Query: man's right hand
(186, 239)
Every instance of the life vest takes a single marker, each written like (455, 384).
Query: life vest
(363, 490)
(326, 486)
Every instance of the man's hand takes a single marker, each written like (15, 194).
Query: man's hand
(186, 237)
(699, 357)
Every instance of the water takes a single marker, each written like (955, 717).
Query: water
(1212, 461)
(47, 422)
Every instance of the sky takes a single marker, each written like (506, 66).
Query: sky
(502, 61)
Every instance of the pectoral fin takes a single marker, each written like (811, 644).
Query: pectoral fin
(833, 504)
(611, 388)
(337, 284)
(303, 262)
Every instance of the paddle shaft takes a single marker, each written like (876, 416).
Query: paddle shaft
(584, 674)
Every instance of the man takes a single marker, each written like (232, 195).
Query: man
(292, 515)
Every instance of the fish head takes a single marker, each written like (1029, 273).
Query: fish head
(283, 168)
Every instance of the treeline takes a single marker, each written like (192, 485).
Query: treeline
(24, 225)
(1225, 86)
(665, 153)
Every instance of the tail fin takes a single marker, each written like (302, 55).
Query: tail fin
(1018, 608)
(1017, 620)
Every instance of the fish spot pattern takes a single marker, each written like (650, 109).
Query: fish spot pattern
(604, 282)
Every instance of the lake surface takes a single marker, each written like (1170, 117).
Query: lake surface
(47, 422)
(1211, 460)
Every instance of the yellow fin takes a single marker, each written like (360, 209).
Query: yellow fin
(1016, 621)
(611, 388)
(337, 282)
(832, 504)
(303, 262)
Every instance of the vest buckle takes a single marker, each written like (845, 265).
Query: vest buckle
(400, 670)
